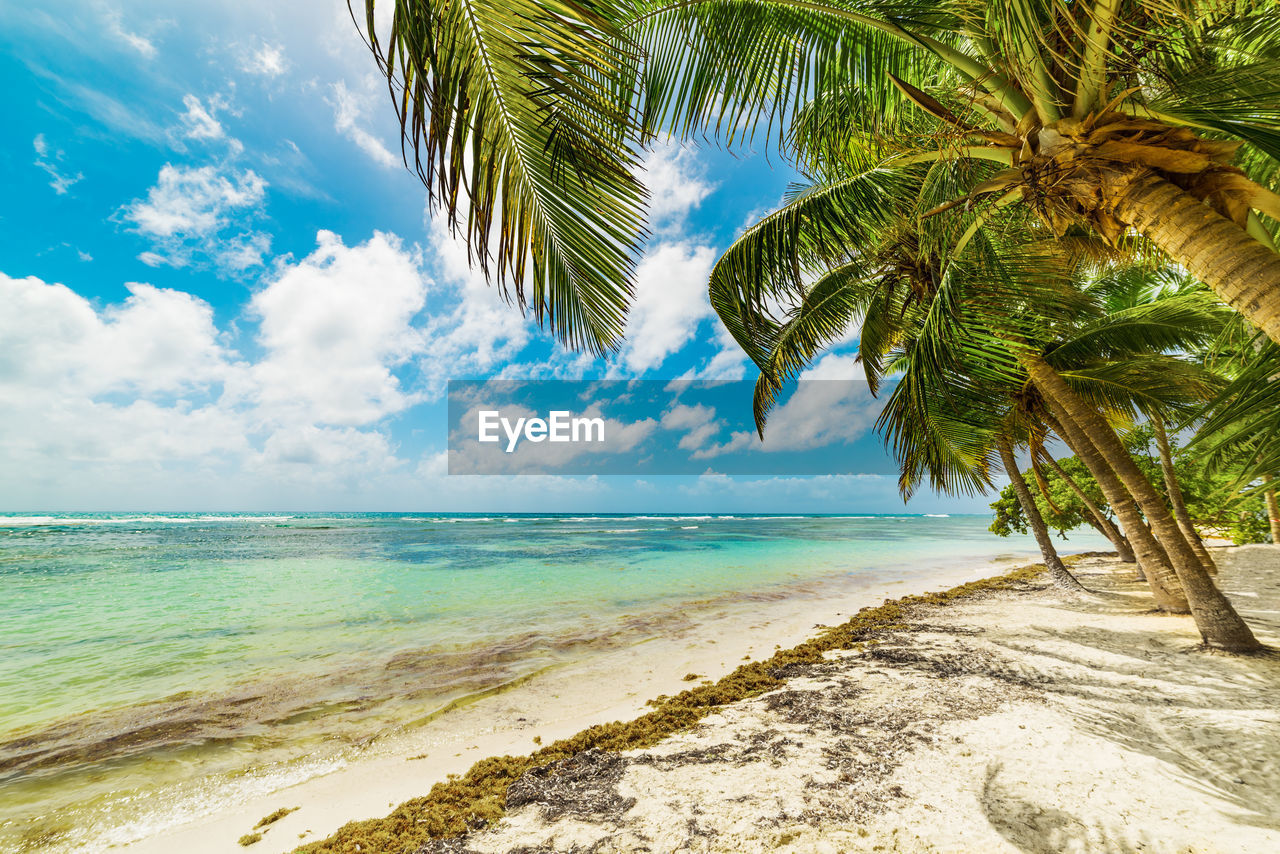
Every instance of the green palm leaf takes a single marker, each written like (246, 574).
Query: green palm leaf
(514, 117)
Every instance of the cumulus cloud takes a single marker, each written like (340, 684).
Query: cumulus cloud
(187, 210)
(698, 423)
(676, 185)
(348, 112)
(47, 159)
(829, 406)
(194, 201)
(85, 392)
(670, 302)
(473, 332)
(243, 251)
(156, 341)
(334, 325)
(152, 382)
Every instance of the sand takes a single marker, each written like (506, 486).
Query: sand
(612, 685)
(1027, 721)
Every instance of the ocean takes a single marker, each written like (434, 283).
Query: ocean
(154, 666)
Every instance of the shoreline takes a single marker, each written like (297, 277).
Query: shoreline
(553, 703)
(1002, 716)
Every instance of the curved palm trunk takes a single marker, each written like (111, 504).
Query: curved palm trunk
(1175, 498)
(1061, 576)
(1158, 572)
(1273, 512)
(1243, 272)
(1100, 520)
(1217, 620)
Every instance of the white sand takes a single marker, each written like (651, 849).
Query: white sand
(556, 704)
(1014, 722)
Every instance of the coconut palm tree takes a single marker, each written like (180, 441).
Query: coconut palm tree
(1241, 429)
(1160, 117)
(511, 115)
(1174, 491)
(1002, 320)
(1009, 460)
(1094, 513)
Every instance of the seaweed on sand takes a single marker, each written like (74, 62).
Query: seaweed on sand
(272, 818)
(479, 797)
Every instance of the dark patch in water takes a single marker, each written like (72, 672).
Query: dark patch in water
(417, 680)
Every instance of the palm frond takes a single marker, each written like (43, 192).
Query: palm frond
(516, 120)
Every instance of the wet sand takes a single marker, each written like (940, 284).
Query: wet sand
(613, 684)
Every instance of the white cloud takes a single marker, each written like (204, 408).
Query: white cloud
(347, 113)
(187, 211)
(150, 384)
(45, 159)
(267, 60)
(334, 325)
(829, 406)
(155, 259)
(244, 251)
(194, 202)
(670, 302)
(328, 453)
(199, 122)
(474, 331)
(111, 394)
(156, 341)
(116, 28)
(675, 182)
(698, 423)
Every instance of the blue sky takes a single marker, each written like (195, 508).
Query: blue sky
(222, 290)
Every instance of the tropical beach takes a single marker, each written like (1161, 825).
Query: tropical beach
(224, 700)
(445, 426)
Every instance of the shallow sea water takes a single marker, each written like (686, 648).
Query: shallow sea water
(157, 665)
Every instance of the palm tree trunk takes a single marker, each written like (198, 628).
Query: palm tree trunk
(1175, 498)
(1100, 520)
(1059, 573)
(1273, 512)
(1217, 620)
(1240, 270)
(1166, 589)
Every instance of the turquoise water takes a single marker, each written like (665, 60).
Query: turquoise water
(204, 656)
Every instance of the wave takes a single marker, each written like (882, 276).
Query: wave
(149, 519)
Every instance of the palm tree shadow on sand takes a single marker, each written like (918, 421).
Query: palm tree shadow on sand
(1036, 829)
(1105, 681)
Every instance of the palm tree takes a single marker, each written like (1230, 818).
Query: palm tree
(1156, 116)
(1095, 515)
(1174, 491)
(982, 317)
(1241, 427)
(1273, 511)
(522, 119)
(511, 115)
(1057, 571)
(1217, 620)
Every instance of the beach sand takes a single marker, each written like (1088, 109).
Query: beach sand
(611, 685)
(1024, 720)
